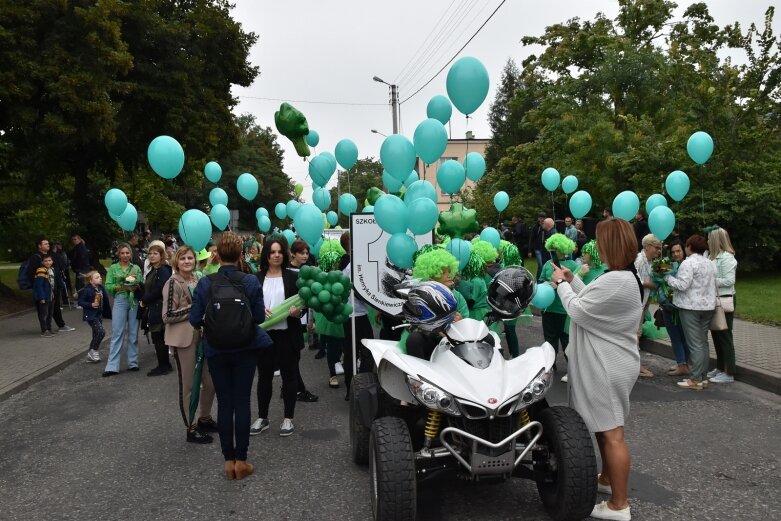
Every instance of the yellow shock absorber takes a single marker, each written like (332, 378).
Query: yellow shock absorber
(432, 425)
(523, 418)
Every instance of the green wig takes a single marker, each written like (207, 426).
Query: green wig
(329, 260)
(430, 264)
(510, 254)
(590, 248)
(331, 245)
(561, 243)
(475, 267)
(486, 250)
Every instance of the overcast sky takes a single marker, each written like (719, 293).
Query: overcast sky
(328, 51)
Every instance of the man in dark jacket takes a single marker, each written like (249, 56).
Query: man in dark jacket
(79, 260)
(35, 262)
(544, 228)
(521, 236)
(61, 274)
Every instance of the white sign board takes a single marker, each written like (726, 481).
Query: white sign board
(373, 275)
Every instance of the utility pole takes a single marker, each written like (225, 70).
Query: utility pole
(394, 89)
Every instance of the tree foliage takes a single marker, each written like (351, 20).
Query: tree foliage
(365, 174)
(614, 103)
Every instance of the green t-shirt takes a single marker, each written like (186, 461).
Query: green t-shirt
(545, 276)
(480, 308)
(592, 274)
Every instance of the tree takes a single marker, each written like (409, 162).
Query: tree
(365, 174)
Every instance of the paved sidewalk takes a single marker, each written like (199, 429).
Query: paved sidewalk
(757, 352)
(27, 358)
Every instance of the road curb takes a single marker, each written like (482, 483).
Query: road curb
(753, 376)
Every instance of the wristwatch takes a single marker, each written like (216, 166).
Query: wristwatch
(559, 281)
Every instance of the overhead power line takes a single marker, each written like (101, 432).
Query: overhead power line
(422, 45)
(456, 54)
(318, 102)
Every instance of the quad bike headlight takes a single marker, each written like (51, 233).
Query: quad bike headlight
(536, 389)
(432, 397)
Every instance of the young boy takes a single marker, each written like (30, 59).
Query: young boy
(43, 294)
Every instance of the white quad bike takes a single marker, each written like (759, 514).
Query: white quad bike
(471, 411)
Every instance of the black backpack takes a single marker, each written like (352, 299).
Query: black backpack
(23, 279)
(228, 321)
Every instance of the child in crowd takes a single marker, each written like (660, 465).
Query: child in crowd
(93, 299)
(43, 293)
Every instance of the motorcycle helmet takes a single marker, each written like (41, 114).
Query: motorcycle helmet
(430, 306)
(510, 292)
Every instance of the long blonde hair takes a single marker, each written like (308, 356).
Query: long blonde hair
(718, 242)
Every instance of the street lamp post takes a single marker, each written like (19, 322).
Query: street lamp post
(378, 132)
(394, 102)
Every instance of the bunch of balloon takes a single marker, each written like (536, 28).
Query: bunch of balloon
(700, 149)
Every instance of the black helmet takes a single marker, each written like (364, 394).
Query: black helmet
(510, 292)
(430, 306)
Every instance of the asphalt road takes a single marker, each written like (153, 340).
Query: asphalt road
(80, 447)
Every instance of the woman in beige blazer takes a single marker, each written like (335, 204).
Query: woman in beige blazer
(180, 335)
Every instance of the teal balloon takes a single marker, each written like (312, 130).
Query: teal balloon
(220, 216)
(550, 179)
(315, 250)
(213, 171)
(569, 184)
(400, 248)
(420, 189)
(368, 209)
(320, 169)
(331, 160)
(461, 250)
(312, 139)
(439, 108)
(218, 196)
(346, 153)
(677, 185)
(280, 210)
(423, 215)
(430, 140)
(332, 218)
(322, 199)
(260, 212)
(391, 214)
(290, 237)
(166, 156)
(115, 201)
(654, 201)
(292, 208)
(127, 220)
(411, 178)
(501, 201)
(308, 220)
(544, 295)
(467, 84)
(491, 235)
(390, 182)
(347, 204)
(580, 204)
(247, 186)
(474, 165)
(195, 229)
(114, 217)
(700, 147)
(625, 205)
(264, 223)
(451, 176)
(397, 155)
(661, 221)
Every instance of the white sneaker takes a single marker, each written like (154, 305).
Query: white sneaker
(602, 511)
(66, 328)
(93, 356)
(260, 425)
(286, 429)
(565, 378)
(713, 373)
(722, 378)
(277, 373)
(339, 368)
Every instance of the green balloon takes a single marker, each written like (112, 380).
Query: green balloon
(324, 297)
(346, 281)
(292, 124)
(327, 287)
(304, 272)
(334, 276)
(300, 283)
(316, 288)
(308, 283)
(339, 319)
(348, 309)
(313, 303)
(322, 277)
(337, 288)
(328, 309)
(305, 293)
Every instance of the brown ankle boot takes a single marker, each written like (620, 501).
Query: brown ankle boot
(230, 469)
(243, 469)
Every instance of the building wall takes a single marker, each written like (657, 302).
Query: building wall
(457, 149)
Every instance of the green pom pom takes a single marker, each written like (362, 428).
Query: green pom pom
(560, 243)
(590, 248)
(475, 267)
(510, 255)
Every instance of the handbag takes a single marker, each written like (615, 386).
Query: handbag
(728, 303)
(718, 321)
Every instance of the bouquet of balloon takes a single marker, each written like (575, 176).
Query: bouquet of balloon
(324, 292)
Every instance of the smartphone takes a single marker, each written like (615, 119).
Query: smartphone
(555, 259)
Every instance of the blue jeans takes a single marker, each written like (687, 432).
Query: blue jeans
(677, 338)
(232, 374)
(538, 256)
(696, 324)
(122, 313)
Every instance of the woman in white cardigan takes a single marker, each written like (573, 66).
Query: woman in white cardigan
(603, 358)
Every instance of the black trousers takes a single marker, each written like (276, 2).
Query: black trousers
(283, 355)
(45, 315)
(161, 350)
(363, 329)
(421, 345)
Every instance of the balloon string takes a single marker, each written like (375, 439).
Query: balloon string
(702, 197)
(424, 171)
(553, 206)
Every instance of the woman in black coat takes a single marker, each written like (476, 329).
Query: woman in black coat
(152, 305)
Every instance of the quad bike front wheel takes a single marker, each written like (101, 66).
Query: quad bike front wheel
(359, 433)
(392, 470)
(570, 489)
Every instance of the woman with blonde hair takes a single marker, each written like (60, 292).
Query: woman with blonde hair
(722, 255)
(180, 335)
(603, 358)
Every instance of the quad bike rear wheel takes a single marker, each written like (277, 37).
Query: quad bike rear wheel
(570, 490)
(392, 470)
(359, 433)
